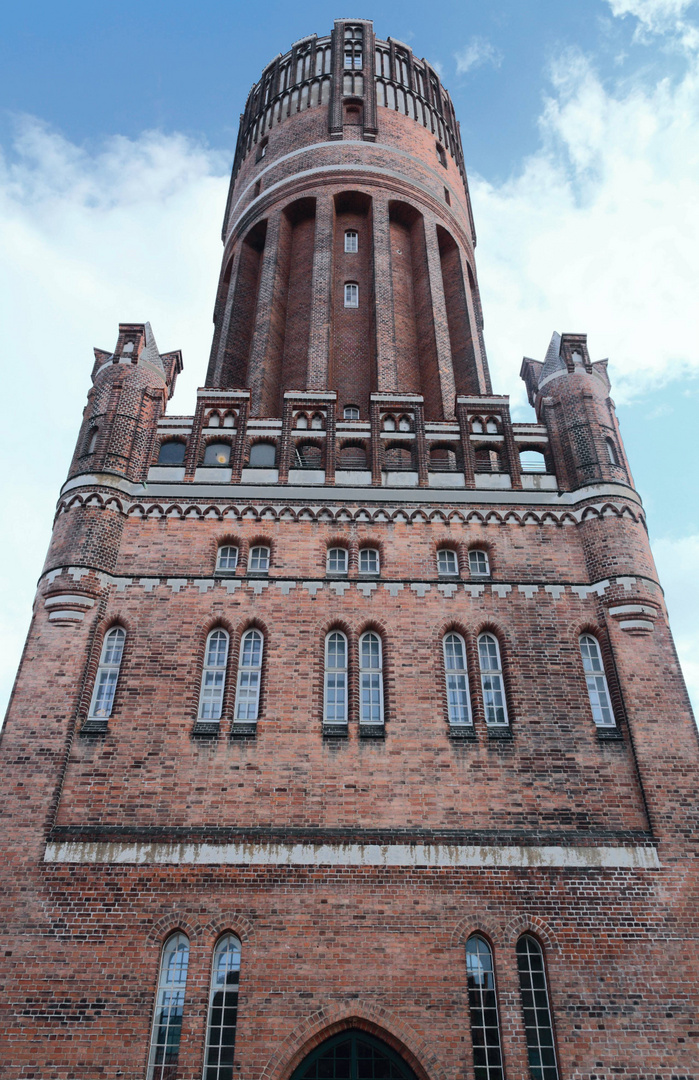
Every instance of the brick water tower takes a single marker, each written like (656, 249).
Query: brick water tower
(349, 738)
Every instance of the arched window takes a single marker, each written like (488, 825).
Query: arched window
(223, 1010)
(317, 421)
(247, 695)
(335, 688)
(404, 424)
(532, 461)
(483, 1009)
(258, 562)
(477, 426)
(537, 1009)
(478, 563)
(458, 700)
(352, 457)
(309, 456)
(213, 679)
(370, 679)
(227, 557)
(229, 420)
(369, 561)
(447, 563)
(169, 1007)
(92, 441)
(611, 452)
(491, 680)
(491, 426)
(389, 424)
(108, 673)
(442, 459)
(214, 420)
(398, 459)
(337, 560)
(351, 294)
(217, 454)
(171, 453)
(351, 241)
(597, 689)
(351, 412)
(487, 460)
(263, 456)
(301, 420)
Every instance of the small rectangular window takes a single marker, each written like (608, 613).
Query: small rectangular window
(478, 564)
(337, 561)
(227, 558)
(351, 412)
(259, 560)
(351, 242)
(351, 295)
(441, 154)
(368, 561)
(447, 563)
(447, 197)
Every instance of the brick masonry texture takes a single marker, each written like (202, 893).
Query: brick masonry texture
(348, 943)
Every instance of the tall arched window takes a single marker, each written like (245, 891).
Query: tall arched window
(351, 294)
(247, 695)
(483, 1009)
(611, 452)
(492, 685)
(169, 1006)
(458, 700)
(335, 689)
(108, 673)
(213, 679)
(223, 1010)
(597, 689)
(537, 1009)
(370, 679)
(92, 440)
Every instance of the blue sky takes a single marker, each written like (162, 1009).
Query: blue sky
(580, 124)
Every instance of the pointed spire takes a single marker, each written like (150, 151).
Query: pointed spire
(149, 353)
(553, 360)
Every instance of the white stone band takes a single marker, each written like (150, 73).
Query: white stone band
(446, 856)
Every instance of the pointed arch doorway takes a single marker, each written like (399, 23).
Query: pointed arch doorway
(353, 1055)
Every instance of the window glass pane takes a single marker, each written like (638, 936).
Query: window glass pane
(262, 456)
(337, 561)
(259, 558)
(597, 689)
(351, 241)
(171, 453)
(227, 558)
(114, 646)
(218, 649)
(478, 563)
(537, 1010)
(371, 680)
(447, 562)
(223, 1010)
(252, 649)
(483, 1009)
(336, 678)
(491, 680)
(351, 295)
(213, 682)
(169, 1007)
(104, 698)
(107, 673)
(371, 651)
(247, 696)
(217, 454)
(458, 700)
(368, 561)
(351, 412)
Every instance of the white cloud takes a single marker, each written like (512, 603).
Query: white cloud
(660, 17)
(599, 230)
(128, 232)
(479, 51)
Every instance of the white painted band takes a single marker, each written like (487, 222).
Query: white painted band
(67, 616)
(454, 856)
(636, 624)
(69, 598)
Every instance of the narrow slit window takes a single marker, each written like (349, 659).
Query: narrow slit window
(169, 1008)
(537, 1009)
(597, 689)
(335, 689)
(491, 680)
(370, 679)
(213, 680)
(369, 561)
(458, 700)
(351, 295)
(478, 563)
(258, 562)
(223, 1010)
(108, 673)
(351, 241)
(227, 557)
(611, 452)
(447, 563)
(337, 560)
(483, 1009)
(247, 697)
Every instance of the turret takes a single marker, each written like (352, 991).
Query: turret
(571, 396)
(131, 387)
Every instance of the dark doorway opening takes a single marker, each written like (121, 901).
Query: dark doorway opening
(353, 1055)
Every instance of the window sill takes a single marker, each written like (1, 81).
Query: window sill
(462, 731)
(95, 726)
(244, 729)
(372, 731)
(611, 734)
(225, 573)
(335, 731)
(504, 732)
(206, 729)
